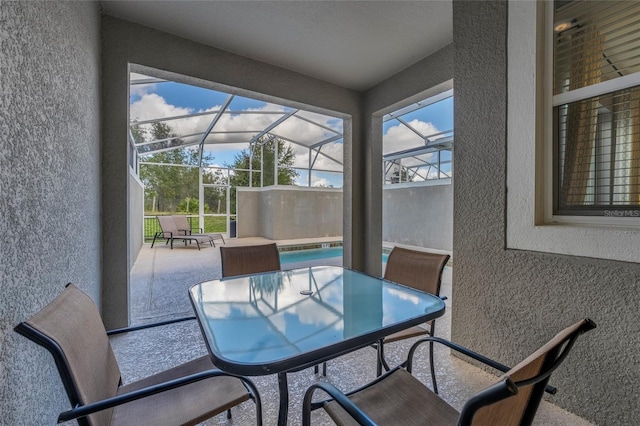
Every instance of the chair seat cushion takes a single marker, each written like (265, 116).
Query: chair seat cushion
(398, 399)
(189, 404)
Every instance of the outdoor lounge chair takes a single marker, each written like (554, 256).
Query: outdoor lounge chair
(422, 271)
(71, 329)
(398, 398)
(170, 232)
(242, 260)
(184, 228)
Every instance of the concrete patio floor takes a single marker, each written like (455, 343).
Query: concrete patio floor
(160, 279)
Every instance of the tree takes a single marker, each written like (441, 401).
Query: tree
(170, 185)
(261, 156)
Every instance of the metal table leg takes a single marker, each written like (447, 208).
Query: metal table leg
(284, 399)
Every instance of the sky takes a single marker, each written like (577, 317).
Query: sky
(170, 99)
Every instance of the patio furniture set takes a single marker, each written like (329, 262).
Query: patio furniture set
(256, 321)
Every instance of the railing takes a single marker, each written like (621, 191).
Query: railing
(212, 223)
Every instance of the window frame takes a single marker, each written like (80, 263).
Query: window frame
(530, 225)
(550, 137)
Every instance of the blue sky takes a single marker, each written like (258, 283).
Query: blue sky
(172, 99)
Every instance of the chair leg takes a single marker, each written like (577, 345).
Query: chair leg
(154, 239)
(381, 361)
(432, 368)
(229, 414)
(324, 369)
(315, 369)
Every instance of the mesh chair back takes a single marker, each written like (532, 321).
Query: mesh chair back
(417, 269)
(182, 223)
(244, 260)
(168, 224)
(71, 328)
(521, 408)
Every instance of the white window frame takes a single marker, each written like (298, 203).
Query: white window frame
(531, 224)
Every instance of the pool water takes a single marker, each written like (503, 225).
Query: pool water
(310, 254)
(315, 254)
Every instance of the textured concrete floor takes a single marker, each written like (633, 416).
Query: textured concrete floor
(159, 282)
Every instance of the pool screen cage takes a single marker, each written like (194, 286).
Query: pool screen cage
(192, 147)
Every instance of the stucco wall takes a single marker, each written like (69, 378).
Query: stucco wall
(508, 302)
(126, 44)
(418, 216)
(428, 77)
(281, 213)
(49, 186)
(136, 217)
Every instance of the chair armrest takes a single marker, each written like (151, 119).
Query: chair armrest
(497, 392)
(85, 410)
(465, 351)
(339, 397)
(145, 326)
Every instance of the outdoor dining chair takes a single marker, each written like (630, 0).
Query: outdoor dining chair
(71, 329)
(420, 270)
(169, 231)
(184, 228)
(243, 260)
(398, 398)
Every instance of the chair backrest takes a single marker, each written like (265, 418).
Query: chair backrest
(168, 224)
(242, 260)
(418, 269)
(182, 223)
(71, 329)
(530, 377)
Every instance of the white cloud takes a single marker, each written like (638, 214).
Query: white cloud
(400, 137)
(140, 89)
(153, 106)
(321, 182)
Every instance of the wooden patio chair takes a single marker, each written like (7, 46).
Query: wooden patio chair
(398, 398)
(184, 228)
(243, 260)
(169, 231)
(71, 329)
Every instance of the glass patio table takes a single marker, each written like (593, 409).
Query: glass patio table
(285, 321)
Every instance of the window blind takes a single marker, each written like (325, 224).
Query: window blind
(597, 138)
(595, 38)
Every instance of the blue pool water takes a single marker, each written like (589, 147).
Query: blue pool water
(310, 254)
(315, 254)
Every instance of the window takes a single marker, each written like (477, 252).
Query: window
(596, 108)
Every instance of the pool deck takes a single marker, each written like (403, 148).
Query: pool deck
(160, 279)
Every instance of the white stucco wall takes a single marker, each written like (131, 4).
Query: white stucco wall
(136, 217)
(419, 216)
(49, 186)
(289, 212)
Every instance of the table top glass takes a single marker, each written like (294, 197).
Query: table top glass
(269, 323)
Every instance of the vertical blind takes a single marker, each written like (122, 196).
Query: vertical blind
(597, 138)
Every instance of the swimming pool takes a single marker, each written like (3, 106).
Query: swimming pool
(310, 254)
(315, 254)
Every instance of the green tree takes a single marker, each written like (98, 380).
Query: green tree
(169, 184)
(261, 156)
